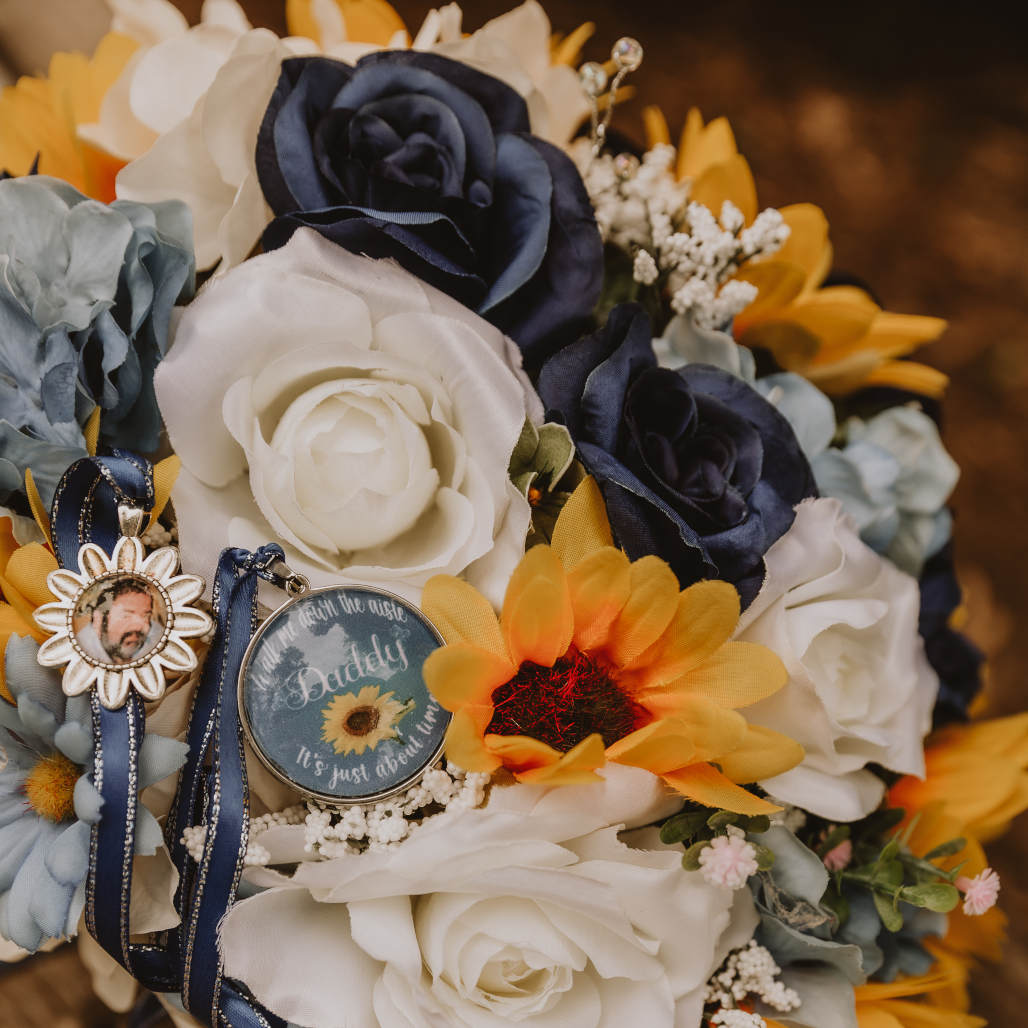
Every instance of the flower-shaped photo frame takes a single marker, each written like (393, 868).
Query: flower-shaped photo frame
(121, 622)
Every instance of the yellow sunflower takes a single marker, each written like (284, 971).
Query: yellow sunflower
(355, 722)
(836, 336)
(363, 21)
(597, 658)
(39, 118)
(975, 783)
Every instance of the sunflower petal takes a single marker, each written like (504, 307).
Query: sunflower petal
(738, 674)
(600, 585)
(661, 746)
(582, 526)
(763, 753)
(730, 179)
(465, 746)
(463, 673)
(461, 613)
(536, 763)
(703, 622)
(537, 620)
(705, 784)
(649, 610)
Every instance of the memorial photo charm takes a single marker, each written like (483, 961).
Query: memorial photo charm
(332, 698)
(121, 622)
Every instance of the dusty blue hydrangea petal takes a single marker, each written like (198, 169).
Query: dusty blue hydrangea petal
(149, 837)
(16, 843)
(159, 270)
(862, 928)
(88, 801)
(804, 406)
(684, 342)
(78, 244)
(75, 741)
(159, 757)
(86, 295)
(26, 678)
(47, 460)
(67, 858)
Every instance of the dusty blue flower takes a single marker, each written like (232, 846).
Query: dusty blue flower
(893, 476)
(48, 802)
(86, 294)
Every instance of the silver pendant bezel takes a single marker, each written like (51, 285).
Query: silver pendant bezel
(146, 675)
(327, 799)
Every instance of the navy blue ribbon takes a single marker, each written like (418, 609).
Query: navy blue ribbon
(212, 788)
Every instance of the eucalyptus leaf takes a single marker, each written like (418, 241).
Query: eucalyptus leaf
(940, 897)
(947, 849)
(891, 917)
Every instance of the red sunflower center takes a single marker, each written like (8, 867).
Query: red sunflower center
(563, 704)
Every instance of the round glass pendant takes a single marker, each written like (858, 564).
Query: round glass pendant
(332, 698)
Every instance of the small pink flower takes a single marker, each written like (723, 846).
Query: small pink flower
(839, 857)
(729, 860)
(980, 892)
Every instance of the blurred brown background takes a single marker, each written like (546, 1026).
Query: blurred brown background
(908, 124)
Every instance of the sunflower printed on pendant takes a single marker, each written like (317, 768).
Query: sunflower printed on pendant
(357, 722)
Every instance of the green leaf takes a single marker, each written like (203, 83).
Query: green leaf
(765, 857)
(837, 904)
(758, 824)
(890, 851)
(682, 827)
(691, 859)
(888, 875)
(891, 917)
(940, 897)
(722, 819)
(947, 849)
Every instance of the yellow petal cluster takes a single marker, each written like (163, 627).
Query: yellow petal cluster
(39, 118)
(365, 21)
(837, 336)
(668, 651)
(976, 782)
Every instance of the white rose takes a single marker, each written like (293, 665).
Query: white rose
(530, 911)
(341, 407)
(515, 48)
(860, 690)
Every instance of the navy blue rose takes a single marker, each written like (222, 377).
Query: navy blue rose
(413, 156)
(694, 464)
(954, 658)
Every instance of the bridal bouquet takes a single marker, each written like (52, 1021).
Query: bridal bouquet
(605, 664)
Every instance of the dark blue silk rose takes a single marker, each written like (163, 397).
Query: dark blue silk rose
(954, 658)
(694, 464)
(413, 156)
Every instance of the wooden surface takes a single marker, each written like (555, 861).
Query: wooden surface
(908, 124)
